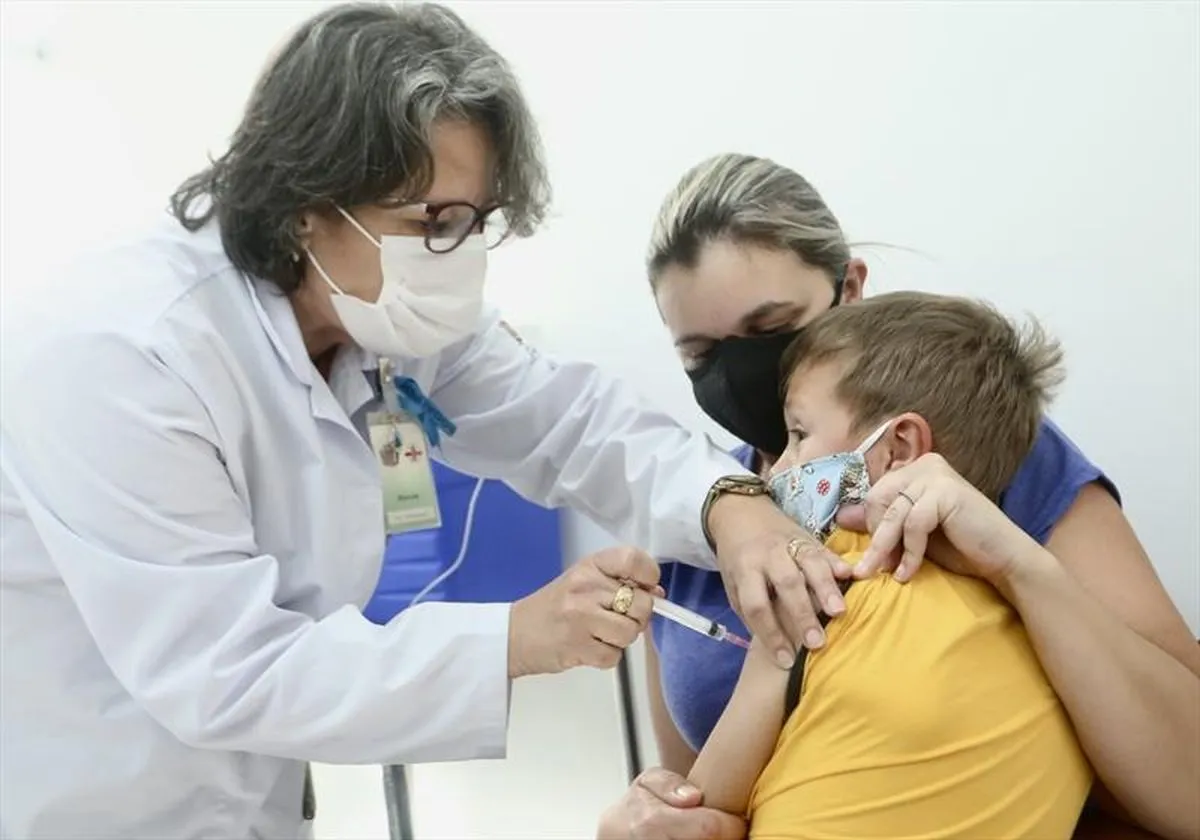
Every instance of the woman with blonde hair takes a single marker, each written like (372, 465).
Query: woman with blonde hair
(744, 253)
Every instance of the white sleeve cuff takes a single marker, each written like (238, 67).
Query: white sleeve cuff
(463, 648)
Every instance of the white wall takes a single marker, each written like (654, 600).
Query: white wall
(1044, 156)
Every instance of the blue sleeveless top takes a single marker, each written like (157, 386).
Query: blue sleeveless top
(698, 674)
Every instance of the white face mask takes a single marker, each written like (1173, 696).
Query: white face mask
(427, 301)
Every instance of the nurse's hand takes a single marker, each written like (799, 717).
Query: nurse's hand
(661, 805)
(926, 508)
(778, 575)
(588, 615)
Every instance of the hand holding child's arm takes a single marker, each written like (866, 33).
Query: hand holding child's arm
(744, 738)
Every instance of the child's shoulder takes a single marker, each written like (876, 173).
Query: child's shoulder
(934, 596)
(907, 655)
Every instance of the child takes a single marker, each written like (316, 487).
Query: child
(926, 714)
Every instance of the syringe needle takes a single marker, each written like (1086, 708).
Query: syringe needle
(695, 621)
(735, 639)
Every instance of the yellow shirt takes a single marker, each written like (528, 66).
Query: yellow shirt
(926, 715)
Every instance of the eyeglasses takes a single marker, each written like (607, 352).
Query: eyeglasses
(448, 225)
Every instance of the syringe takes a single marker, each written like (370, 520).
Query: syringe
(694, 621)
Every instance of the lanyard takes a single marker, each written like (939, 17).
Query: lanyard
(402, 396)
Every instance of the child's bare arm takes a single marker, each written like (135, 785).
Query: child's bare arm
(744, 738)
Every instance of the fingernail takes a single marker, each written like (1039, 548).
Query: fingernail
(836, 606)
(686, 791)
(784, 659)
(813, 639)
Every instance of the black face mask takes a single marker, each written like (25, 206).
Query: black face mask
(738, 385)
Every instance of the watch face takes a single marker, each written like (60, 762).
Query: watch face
(747, 485)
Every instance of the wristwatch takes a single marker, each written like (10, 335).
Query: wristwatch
(740, 485)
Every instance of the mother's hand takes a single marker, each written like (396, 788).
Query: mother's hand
(928, 508)
(661, 805)
(777, 575)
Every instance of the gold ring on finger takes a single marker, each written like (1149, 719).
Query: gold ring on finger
(794, 547)
(622, 599)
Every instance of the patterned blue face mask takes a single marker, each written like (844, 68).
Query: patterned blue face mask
(811, 493)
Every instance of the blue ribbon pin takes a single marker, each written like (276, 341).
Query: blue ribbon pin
(414, 403)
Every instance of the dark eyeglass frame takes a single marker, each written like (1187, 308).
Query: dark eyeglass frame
(478, 220)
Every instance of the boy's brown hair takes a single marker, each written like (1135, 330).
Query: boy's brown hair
(980, 382)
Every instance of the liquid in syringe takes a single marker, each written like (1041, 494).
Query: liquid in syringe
(694, 621)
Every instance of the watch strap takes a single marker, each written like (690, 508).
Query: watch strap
(739, 485)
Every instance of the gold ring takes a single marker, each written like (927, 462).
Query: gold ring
(622, 599)
(794, 547)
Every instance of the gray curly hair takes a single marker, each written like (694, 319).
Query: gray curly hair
(343, 115)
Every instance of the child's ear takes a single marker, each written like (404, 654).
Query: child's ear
(909, 438)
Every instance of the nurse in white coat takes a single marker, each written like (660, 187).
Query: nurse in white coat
(192, 516)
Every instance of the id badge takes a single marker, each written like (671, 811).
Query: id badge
(410, 500)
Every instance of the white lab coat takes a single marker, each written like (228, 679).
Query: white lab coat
(192, 521)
